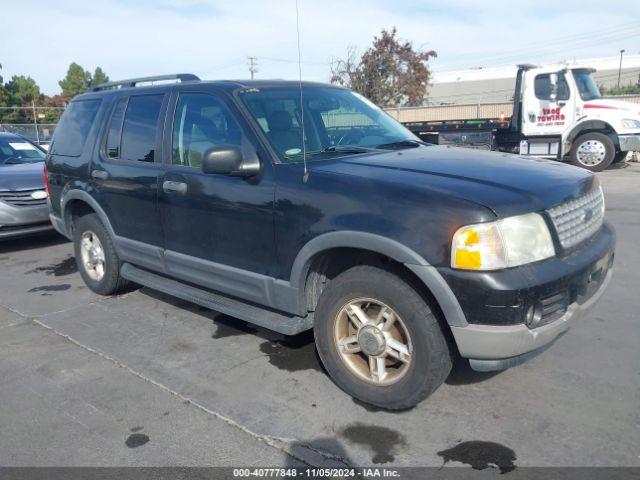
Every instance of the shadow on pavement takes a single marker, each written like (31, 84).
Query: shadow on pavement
(32, 242)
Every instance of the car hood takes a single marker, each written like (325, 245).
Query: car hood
(24, 176)
(506, 184)
(610, 104)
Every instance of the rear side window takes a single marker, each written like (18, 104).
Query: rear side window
(139, 128)
(115, 129)
(73, 128)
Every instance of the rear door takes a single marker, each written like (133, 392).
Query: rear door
(125, 177)
(218, 229)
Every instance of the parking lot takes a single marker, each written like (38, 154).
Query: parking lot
(144, 379)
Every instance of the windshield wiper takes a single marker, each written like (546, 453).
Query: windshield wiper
(406, 143)
(346, 149)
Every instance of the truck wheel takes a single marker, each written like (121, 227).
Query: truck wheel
(96, 256)
(379, 340)
(593, 151)
(620, 157)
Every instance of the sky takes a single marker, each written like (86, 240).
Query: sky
(212, 39)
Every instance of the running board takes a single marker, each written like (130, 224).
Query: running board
(279, 322)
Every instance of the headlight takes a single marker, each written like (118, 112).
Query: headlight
(630, 123)
(504, 243)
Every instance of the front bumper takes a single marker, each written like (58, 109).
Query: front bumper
(496, 303)
(18, 221)
(492, 347)
(629, 142)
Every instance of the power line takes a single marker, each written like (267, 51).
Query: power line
(575, 42)
(286, 60)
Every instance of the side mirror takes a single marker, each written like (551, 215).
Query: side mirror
(553, 79)
(222, 159)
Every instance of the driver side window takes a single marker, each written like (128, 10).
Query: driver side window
(201, 122)
(542, 87)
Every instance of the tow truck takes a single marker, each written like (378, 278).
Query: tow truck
(558, 112)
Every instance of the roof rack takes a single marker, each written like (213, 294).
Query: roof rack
(132, 82)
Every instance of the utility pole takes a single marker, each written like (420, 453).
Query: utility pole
(620, 67)
(35, 121)
(253, 65)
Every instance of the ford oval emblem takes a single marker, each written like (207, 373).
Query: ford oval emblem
(39, 195)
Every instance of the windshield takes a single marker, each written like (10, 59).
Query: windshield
(336, 121)
(586, 85)
(14, 150)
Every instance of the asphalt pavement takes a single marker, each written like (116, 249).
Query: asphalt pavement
(143, 379)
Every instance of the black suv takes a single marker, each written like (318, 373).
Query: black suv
(299, 206)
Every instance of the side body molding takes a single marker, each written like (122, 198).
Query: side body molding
(385, 246)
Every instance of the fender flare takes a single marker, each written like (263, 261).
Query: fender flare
(399, 252)
(77, 194)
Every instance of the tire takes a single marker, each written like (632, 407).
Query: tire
(592, 151)
(430, 356)
(620, 157)
(110, 282)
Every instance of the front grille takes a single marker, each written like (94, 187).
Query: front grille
(22, 198)
(577, 220)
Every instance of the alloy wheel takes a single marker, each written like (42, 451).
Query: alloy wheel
(591, 153)
(92, 255)
(373, 341)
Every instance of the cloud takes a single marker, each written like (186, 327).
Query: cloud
(212, 39)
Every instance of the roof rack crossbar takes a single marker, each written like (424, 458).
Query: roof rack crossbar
(132, 82)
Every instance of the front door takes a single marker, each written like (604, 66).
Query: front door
(542, 115)
(218, 229)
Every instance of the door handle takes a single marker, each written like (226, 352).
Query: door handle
(174, 187)
(99, 174)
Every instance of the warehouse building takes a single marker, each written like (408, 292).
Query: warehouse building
(496, 84)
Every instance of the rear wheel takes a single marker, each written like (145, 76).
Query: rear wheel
(96, 256)
(379, 340)
(593, 151)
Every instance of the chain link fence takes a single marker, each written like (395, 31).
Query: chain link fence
(35, 123)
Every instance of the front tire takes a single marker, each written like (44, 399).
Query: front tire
(379, 339)
(96, 257)
(592, 151)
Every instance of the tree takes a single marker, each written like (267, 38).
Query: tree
(76, 81)
(4, 96)
(22, 90)
(19, 91)
(99, 77)
(390, 73)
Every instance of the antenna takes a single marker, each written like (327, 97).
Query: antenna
(253, 65)
(305, 175)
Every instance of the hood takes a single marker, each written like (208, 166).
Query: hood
(23, 176)
(506, 184)
(604, 104)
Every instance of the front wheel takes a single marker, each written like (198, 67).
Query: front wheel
(379, 340)
(592, 151)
